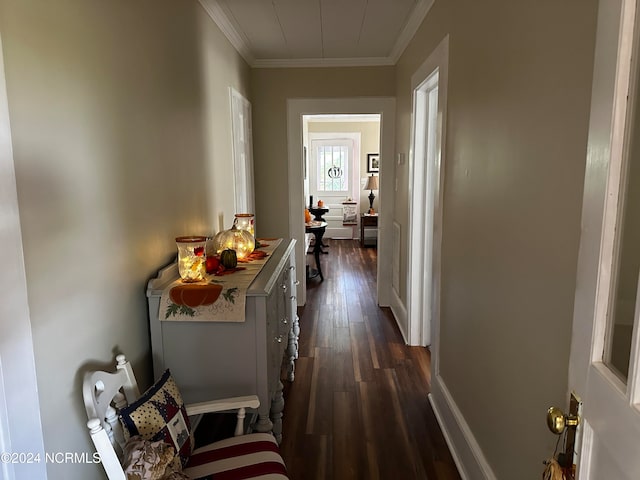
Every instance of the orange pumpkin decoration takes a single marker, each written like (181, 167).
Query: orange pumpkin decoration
(195, 295)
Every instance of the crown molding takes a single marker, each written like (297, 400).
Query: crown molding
(415, 20)
(221, 19)
(322, 62)
(343, 118)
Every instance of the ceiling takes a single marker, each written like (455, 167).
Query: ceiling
(303, 33)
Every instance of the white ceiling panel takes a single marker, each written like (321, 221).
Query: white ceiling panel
(300, 21)
(383, 24)
(281, 33)
(341, 25)
(259, 24)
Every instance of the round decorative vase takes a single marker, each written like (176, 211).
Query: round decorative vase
(234, 239)
(191, 258)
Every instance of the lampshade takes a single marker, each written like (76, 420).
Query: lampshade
(372, 183)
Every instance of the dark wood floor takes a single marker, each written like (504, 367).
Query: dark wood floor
(358, 408)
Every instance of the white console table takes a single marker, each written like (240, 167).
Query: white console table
(221, 359)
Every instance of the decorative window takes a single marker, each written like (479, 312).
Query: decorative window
(332, 164)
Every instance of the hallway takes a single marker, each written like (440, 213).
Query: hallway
(358, 408)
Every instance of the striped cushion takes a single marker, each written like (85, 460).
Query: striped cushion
(248, 456)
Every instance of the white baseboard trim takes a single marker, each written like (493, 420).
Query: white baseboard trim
(467, 454)
(400, 314)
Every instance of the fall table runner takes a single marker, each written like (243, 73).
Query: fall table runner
(219, 297)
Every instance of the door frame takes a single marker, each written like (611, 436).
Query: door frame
(385, 107)
(425, 331)
(242, 148)
(424, 166)
(20, 423)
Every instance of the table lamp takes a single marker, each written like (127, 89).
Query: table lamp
(372, 184)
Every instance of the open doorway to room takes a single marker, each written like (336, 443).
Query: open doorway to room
(384, 109)
(335, 168)
(425, 170)
(425, 208)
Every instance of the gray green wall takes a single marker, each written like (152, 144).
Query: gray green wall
(518, 109)
(121, 136)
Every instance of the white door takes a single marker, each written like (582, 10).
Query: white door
(333, 179)
(604, 358)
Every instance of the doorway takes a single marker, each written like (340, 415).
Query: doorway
(426, 189)
(337, 148)
(332, 172)
(425, 171)
(242, 152)
(296, 110)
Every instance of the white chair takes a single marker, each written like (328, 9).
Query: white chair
(106, 394)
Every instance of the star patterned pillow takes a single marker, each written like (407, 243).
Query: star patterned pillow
(160, 414)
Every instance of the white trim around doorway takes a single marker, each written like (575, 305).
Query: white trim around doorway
(435, 64)
(20, 424)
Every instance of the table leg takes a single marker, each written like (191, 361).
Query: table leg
(317, 250)
(319, 236)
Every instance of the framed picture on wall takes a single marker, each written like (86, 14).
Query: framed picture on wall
(373, 162)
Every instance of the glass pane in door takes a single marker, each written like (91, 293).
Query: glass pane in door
(333, 164)
(622, 306)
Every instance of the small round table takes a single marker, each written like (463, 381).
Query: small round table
(318, 212)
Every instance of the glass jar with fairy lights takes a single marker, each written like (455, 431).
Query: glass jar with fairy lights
(191, 258)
